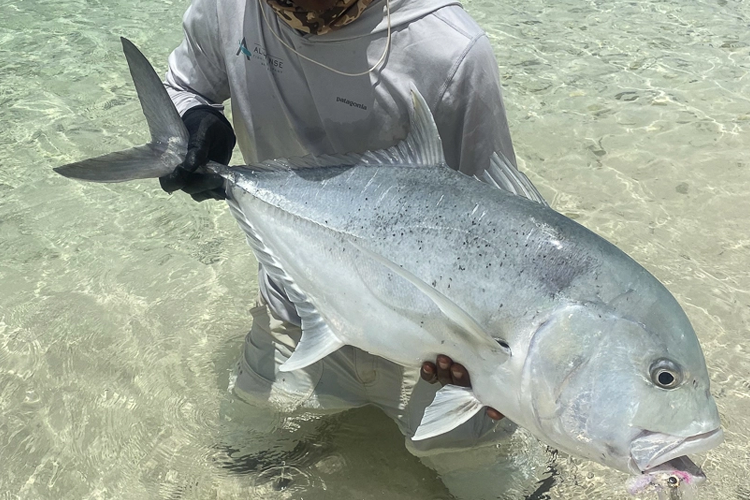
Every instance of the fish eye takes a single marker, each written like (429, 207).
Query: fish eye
(673, 481)
(665, 374)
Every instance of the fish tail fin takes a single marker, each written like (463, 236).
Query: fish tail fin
(168, 134)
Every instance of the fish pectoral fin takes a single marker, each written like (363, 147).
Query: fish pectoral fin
(452, 406)
(462, 321)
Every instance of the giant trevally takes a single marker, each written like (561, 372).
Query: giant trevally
(395, 253)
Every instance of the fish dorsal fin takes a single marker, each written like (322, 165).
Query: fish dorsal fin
(464, 324)
(502, 174)
(317, 340)
(421, 147)
(452, 406)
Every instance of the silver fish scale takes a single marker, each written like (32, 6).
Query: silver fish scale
(420, 216)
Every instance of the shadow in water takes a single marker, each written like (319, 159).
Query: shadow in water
(546, 484)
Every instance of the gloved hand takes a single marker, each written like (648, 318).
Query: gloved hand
(210, 138)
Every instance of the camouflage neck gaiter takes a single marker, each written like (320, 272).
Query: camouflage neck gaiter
(319, 23)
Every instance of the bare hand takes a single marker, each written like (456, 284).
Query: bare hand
(445, 371)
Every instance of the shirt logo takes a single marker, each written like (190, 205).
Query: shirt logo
(353, 104)
(258, 54)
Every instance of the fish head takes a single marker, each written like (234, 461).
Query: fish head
(628, 391)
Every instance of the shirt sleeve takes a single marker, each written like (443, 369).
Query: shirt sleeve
(197, 73)
(471, 115)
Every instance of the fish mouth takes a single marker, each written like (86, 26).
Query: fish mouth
(653, 452)
(667, 476)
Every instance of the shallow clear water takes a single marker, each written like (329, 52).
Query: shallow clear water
(122, 309)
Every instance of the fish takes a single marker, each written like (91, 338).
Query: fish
(395, 253)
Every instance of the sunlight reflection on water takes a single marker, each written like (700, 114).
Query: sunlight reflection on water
(123, 309)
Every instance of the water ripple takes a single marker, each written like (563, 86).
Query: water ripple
(123, 309)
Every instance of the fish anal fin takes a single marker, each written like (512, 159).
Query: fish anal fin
(315, 344)
(452, 406)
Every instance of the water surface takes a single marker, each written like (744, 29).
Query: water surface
(122, 309)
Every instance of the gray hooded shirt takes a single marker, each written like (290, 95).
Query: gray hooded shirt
(286, 106)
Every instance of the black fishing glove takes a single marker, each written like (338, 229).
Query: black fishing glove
(210, 138)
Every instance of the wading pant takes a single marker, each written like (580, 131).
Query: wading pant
(350, 378)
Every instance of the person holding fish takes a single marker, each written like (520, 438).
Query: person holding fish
(372, 262)
(312, 77)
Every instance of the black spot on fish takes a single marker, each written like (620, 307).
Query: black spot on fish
(558, 267)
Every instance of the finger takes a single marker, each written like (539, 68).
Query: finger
(428, 372)
(177, 179)
(203, 183)
(494, 414)
(219, 194)
(215, 194)
(202, 196)
(195, 158)
(443, 369)
(459, 375)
